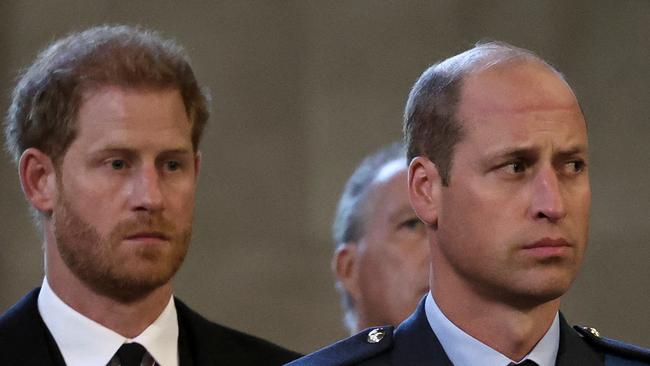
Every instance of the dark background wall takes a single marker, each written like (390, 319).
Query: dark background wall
(302, 90)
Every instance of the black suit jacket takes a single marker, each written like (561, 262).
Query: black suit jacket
(414, 343)
(26, 341)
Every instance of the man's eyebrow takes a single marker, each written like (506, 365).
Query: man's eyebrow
(114, 150)
(530, 151)
(178, 151)
(573, 150)
(513, 152)
(125, 149)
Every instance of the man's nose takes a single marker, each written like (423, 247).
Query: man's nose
(147, 192)
(547, 197)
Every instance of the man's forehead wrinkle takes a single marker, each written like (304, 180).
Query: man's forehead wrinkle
(530, 105)
(483, 104)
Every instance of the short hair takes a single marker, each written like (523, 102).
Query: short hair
(431, 127)
(350, 219)
(49, 94)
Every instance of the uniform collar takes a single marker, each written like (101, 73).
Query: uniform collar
(83, 341)
(463, 349)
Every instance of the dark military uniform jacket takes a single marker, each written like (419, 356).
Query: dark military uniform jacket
(26, 341)
(413, 343)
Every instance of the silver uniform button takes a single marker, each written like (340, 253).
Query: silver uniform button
(593, 331)
(376, 335)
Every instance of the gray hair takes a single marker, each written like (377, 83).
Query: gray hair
(350, 219)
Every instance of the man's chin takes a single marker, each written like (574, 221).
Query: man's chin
(134, 277)
(130, 287)
(533, 297)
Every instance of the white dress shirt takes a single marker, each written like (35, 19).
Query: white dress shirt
(465, 350)
(84, 342)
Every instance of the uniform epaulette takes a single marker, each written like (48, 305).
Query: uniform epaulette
(352, 350)
(613, 346)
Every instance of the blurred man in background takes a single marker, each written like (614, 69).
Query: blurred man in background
(381, 261)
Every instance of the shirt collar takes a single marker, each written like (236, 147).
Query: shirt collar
(463, 349)
(83, 341)
(161, 337)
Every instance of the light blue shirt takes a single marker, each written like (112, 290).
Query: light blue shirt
(465, 350)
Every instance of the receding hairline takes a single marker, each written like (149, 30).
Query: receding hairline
(487, 55)
(496, 56)
(437, 95)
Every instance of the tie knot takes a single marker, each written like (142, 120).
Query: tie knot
(130, 354)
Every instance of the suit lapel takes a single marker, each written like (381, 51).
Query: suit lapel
(416, 344)
(30, 341)
(185, 349)
(189, 350)
(573, 350)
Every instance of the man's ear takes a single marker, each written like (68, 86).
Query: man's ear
(38, 179)
(345, 268)
(424, 189)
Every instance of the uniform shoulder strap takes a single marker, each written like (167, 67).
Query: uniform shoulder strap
(612, 346)
(352, 350)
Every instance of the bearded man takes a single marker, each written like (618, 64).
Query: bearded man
(105, 128)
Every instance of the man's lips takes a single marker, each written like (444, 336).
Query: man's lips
(548, 247)
(548, 242)
(147, 235)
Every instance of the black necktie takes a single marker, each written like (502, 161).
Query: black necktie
(130, 354)
(525, 363)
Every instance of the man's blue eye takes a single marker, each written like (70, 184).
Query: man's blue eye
(118, 164)
(517, 167)
(173, 165)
